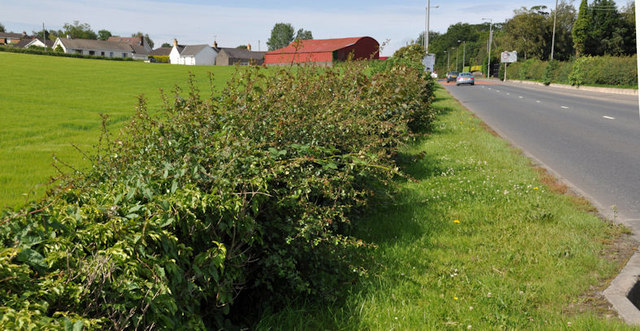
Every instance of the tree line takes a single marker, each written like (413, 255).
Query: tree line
(77, 30)
(599, 28)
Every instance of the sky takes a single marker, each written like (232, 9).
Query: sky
(235, 22)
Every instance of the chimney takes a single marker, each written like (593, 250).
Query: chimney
(141, 41)
(175, 42)
(215, 44)
(249, 47)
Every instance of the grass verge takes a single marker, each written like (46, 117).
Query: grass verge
(480, 239)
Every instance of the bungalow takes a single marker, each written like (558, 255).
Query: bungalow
(239, 56)
(140, 48)
(94, 47)
(192, 54)
(36, 42)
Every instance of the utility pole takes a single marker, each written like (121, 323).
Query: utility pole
(490, 42)
(553, 36)
(447, 60)
(426, 30)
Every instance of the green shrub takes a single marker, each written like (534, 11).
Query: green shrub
(221, 206)
(58, 52)
(160, 58)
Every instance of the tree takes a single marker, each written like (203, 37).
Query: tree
(628, 14)
(2, 28)
(242, 47)
(79, 31)
(166, 45)
(146, 38)
(303, 34)
(281, 36)
(607, 30)
(528, 32)
(580, 30)
(104, 34)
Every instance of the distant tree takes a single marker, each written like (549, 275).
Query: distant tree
(303, 34)
(242, 47)
(79, 31)
(2, 28)
(581, 29)
(281, 36)
(628, 14)
(146, 38)
(166, 45)
(104, 34)
(607, 29)
(529, 31)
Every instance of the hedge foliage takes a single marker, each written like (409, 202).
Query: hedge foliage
(50, 52)
(586, 70)
(223, 204)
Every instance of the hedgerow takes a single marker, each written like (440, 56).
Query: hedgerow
(219, 206)
(50, 52)
(586, 70)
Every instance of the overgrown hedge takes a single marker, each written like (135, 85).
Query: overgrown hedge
(223, 205)
(587, 70)
(50, 52)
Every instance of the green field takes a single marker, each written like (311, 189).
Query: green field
(48, 104)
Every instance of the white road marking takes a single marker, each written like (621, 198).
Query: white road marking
(520, 97)
(564, 107)
(498, 90)
(538, 101)
(508, 93)
(609, 117)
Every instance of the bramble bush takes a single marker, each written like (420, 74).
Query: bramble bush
(221, 206)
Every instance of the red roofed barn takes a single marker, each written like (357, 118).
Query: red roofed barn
(324, 51)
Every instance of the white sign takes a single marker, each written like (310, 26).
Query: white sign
(429, 62)
(509, 57)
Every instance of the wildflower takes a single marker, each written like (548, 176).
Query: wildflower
(456, 221)
(535, 188)
(455, 298)
(469, 327)
(489, 295)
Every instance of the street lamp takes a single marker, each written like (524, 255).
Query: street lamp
(426, 27)
(490, 40)
(464, 53)
(447, 60)
(457, 54)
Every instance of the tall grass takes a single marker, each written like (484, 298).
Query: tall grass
(49, 103)
(478, 240)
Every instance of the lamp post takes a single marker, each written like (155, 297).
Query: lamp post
(426, 27)
(490, 41)
(447, 60)
(464, 53)
(553, 35)
(457, 54)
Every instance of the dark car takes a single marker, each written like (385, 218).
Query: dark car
(452, 76)
(465, 78)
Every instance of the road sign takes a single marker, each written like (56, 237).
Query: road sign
(429, 62)
(509, 57)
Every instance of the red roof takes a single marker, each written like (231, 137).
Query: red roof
(317, 45)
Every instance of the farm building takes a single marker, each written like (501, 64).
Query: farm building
(324, 52)
(233, 56)
(8, 38)
(192, 54)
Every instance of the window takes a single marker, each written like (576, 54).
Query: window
(124, 54)
(110, 54)
(92, 52)
(102, 53)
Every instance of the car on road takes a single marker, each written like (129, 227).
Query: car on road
(452, 76)
(465, 78)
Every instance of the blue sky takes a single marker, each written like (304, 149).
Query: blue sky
(234, 23)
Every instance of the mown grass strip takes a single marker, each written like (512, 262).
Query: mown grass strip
(478, 240)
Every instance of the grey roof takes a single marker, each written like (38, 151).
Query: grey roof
(192, 50)
(94, 44)
(161, 51)
(241, 53)
(11, 35)
(139, 49)
(22, 43)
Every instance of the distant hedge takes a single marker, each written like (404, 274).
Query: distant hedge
(49, 52)
(587, 70)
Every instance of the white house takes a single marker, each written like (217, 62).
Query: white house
(39, 43)
(192, 54)
(94, 47)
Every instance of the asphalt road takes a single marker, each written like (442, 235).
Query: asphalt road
(589, 140)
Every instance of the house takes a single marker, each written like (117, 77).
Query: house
(192, 54)
(161, 51)
(239, 56)
(9, 38)
(94, 47)
(141, 49)
(324, 52)
(26, 43)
